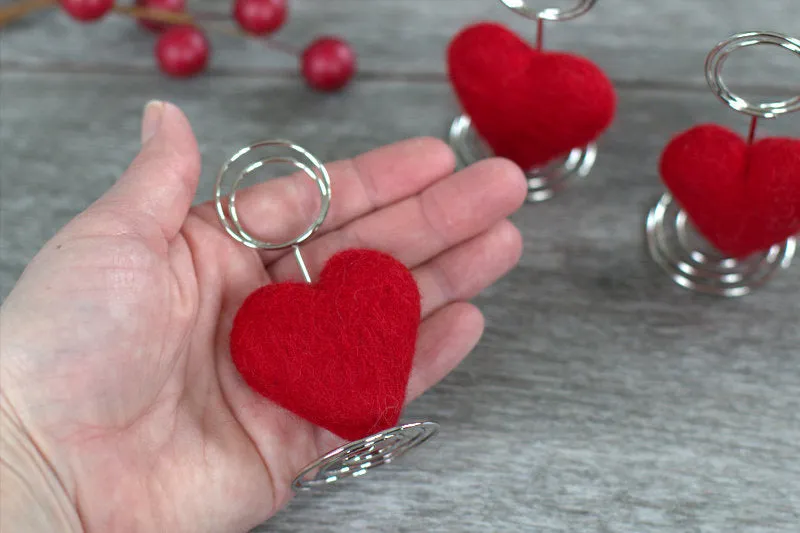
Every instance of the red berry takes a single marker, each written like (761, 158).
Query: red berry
(182, 51)
(328, 63)
(87, 10)
(164, 5)
(260, 17)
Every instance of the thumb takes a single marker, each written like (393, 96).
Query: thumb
(161, 182)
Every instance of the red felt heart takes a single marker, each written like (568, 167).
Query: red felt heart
(743, 199)
(529, 106)
(337, 353)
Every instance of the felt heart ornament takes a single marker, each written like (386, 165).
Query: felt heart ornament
(338, 352)
(742, 198)
(528, 105)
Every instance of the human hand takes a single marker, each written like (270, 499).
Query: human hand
(121, 408)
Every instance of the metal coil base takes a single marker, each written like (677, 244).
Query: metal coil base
(544, 182)
(356, 458)
(694, 264)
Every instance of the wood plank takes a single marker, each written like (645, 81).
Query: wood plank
(635, 42)
(601, 398)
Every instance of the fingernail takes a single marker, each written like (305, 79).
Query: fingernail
(151, 119)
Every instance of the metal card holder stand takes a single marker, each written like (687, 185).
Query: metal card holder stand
(546, 181)
(675, 245)
(356, 458)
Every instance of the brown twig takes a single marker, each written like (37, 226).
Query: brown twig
(156, 15)
(22, 8)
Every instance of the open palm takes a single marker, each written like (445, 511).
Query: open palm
(116, 362)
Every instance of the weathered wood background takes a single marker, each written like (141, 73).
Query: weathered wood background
(602, 398)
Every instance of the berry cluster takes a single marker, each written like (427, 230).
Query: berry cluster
(183, 49)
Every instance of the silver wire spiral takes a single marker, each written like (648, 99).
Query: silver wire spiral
(716, 60)
(551, 13)
(252, 158)
(543, 182)
(355, 458)
(694, 264)
(546, 181)
(675, 245)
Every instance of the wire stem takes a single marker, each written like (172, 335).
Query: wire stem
(752, 134)
(539, 34)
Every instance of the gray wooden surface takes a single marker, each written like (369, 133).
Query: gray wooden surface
(601, 398)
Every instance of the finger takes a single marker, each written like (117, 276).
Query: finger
(280, 209)
(445, 339)
(160, 183)
(461, 273)
(450, 211)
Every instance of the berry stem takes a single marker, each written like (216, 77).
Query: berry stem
(21, 8)
(156, 15)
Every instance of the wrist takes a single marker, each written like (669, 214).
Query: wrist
(32, 497)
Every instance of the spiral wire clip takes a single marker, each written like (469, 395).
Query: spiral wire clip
(356, 458)
(546, 181)
(675, 245)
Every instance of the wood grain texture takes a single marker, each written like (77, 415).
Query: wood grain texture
(636, 42)
(601, 399)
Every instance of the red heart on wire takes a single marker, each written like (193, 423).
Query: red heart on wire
(338, 352)
(743, 199)
(529, 106)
